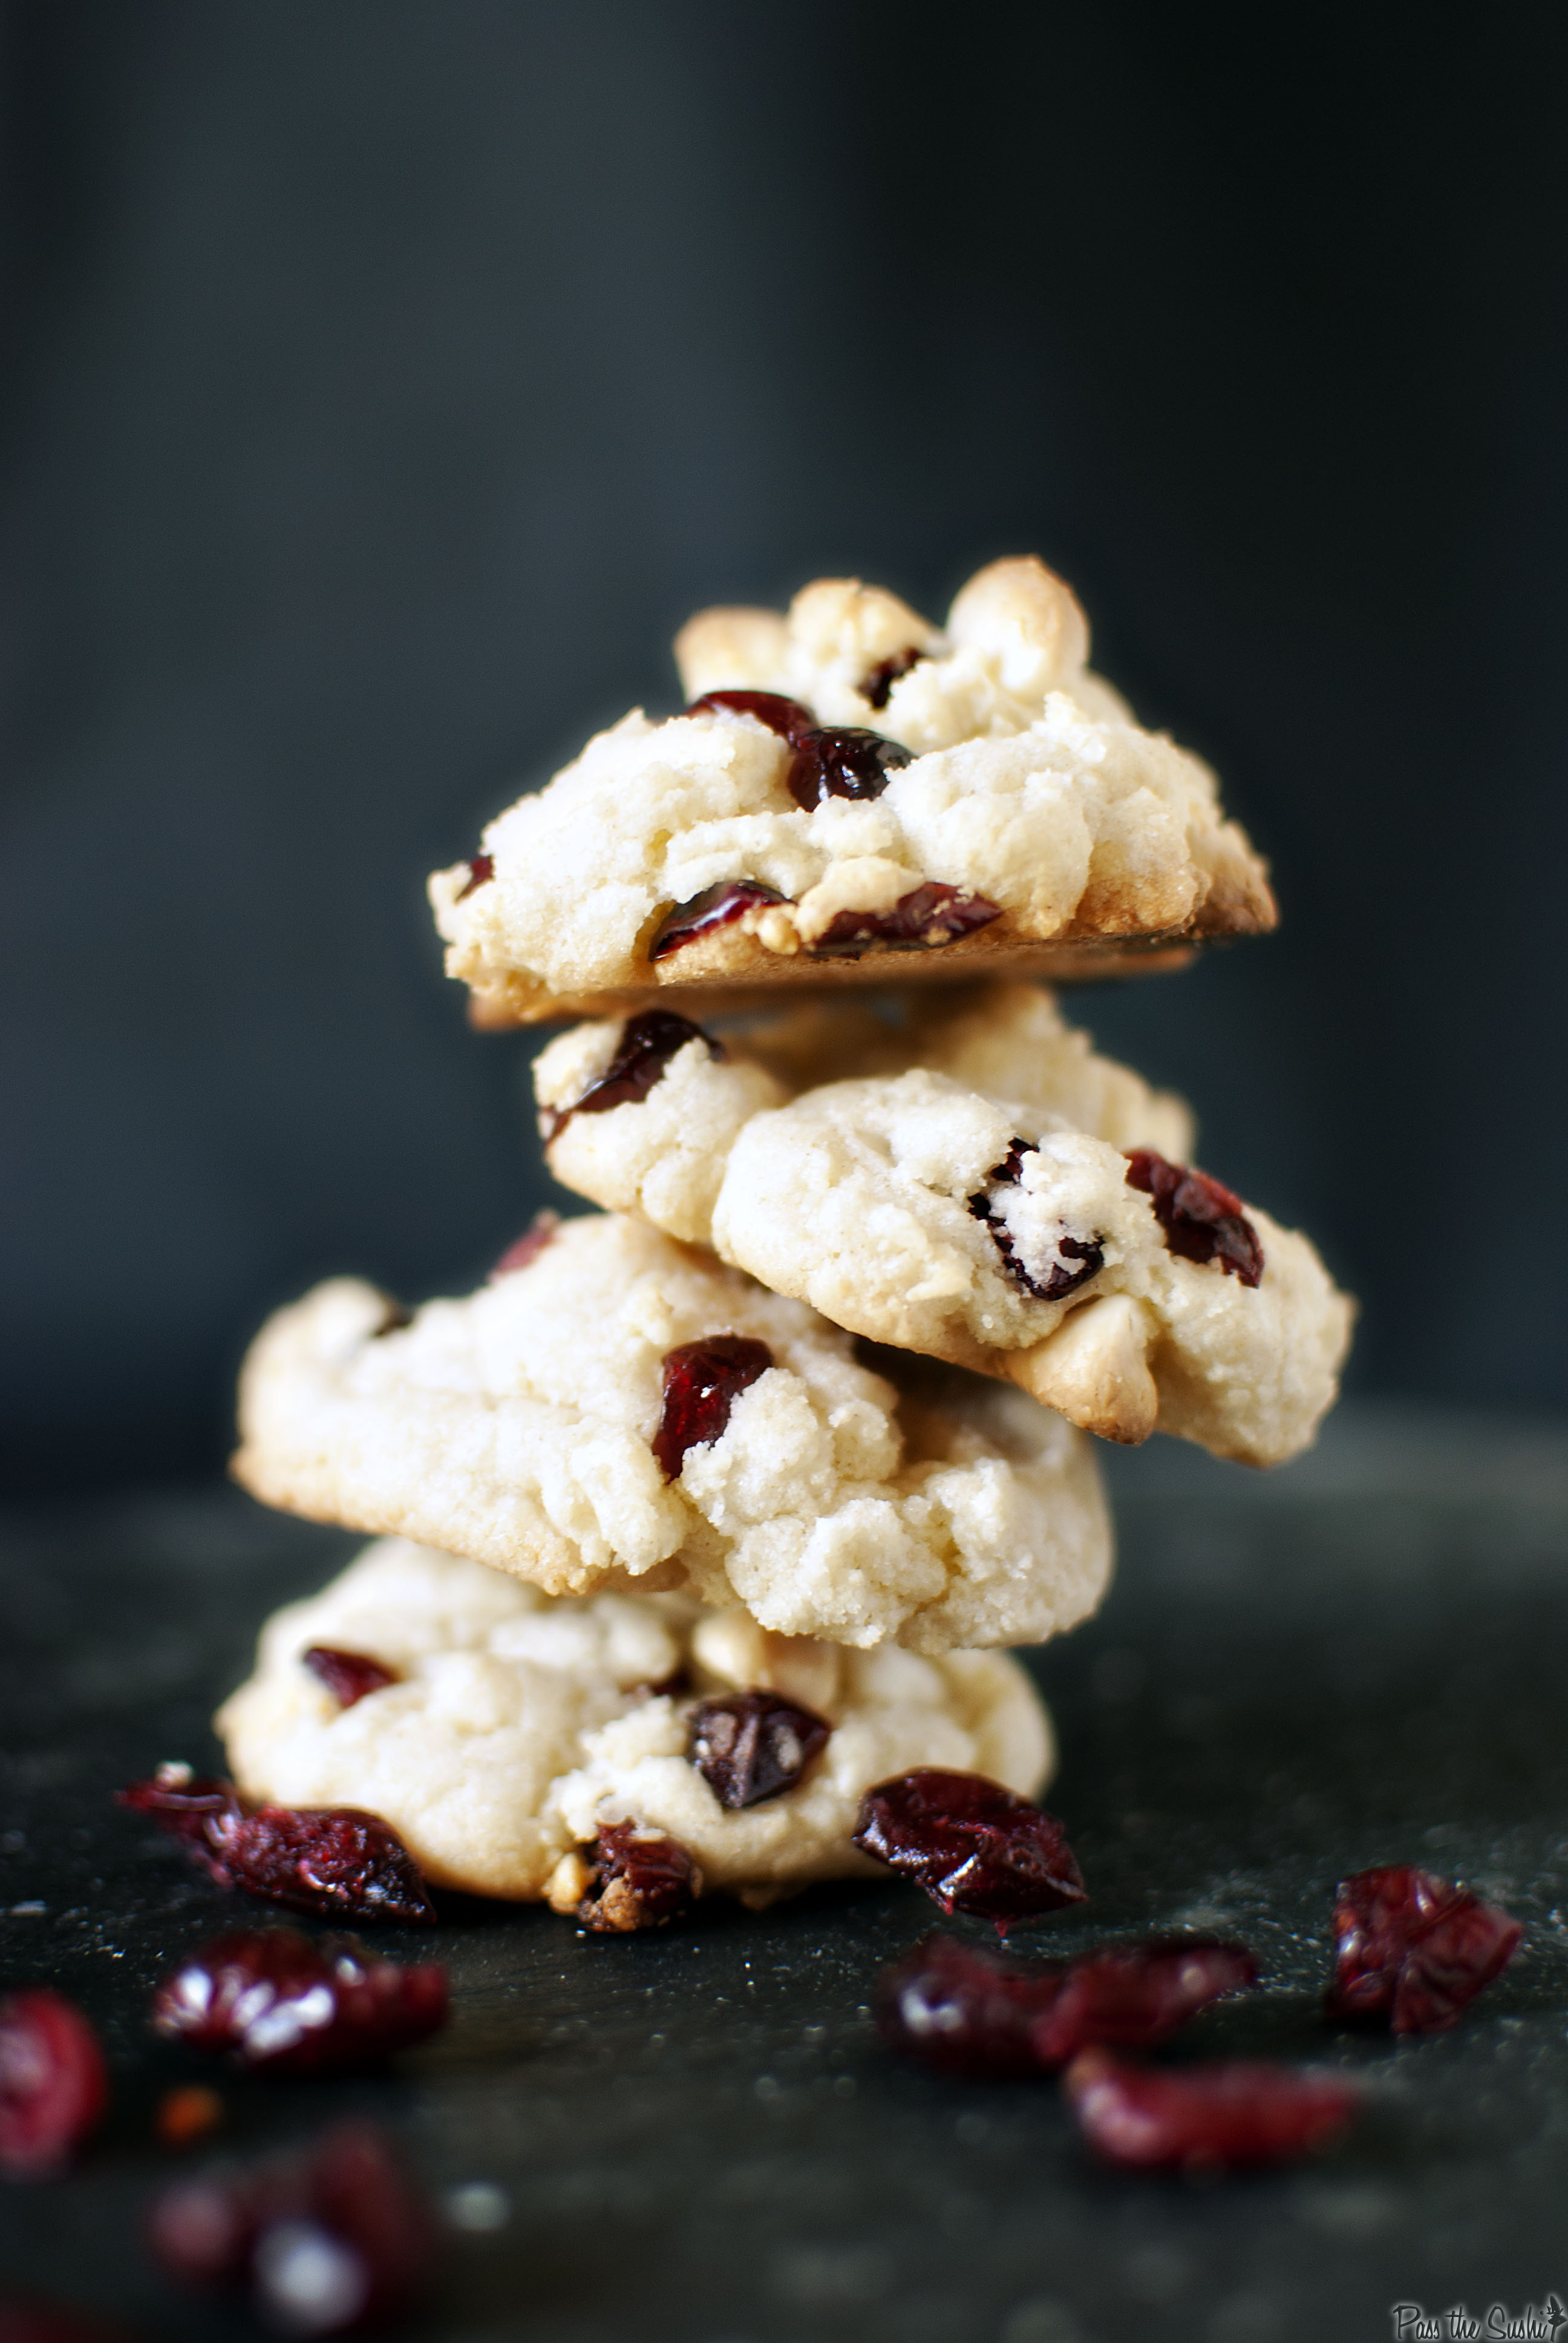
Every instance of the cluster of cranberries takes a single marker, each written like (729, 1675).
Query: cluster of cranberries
(1410, 1949)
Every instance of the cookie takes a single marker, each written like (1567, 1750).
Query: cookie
(640, 1115)
(516, 1724)
(864, 796)
(617, 1411)
(919, 1209)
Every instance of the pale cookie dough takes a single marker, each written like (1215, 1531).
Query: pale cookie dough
(1030, 785)
(516, 1426)
(665, 1156)
(860, 1196)
(518, 1723)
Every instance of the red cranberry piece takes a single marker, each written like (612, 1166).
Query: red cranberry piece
(642, 1879)
(1078, 1258)
(481, 870)
(1232, 2113)
(1202, 1221)
(1413, 1948)
(973, 2012)
(329, 2243)
(347, 1675)
(877, 687)
(528, 1247)
(841, 761)
(716, 907)
(1132, 1996)
(973, 1846)
(928, 917)
(753, 1745)
(787, 718)
(54, 2086)
(333, 1861)
(296, 2004)
(648, 1042)
(965, 2010)
(702, 1381)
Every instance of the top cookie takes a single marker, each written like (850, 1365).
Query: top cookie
(850, 795)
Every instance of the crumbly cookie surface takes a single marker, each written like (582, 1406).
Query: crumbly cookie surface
(518, 1722)
(665, 1155)
(1026, 785)
(517, 1427)
(876, 1199)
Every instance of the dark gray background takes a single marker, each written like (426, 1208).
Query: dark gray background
(385, 382)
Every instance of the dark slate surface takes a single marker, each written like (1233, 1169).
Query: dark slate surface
(698, 2137)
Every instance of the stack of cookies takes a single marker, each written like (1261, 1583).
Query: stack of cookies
(716, 1506)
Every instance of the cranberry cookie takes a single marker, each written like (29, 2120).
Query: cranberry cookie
(617, 1411)
(850, 793)
(508, 1727)
(922, 1209)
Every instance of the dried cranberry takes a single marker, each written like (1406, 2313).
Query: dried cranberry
(54, 2086)
(481, 870)
(716, 907)
(1232, 2113)
(841, 761)
(648, 1042)
(1414, 1949)
(330, 2242)
(330, 1860)
(642, 1879)
(702, 1381)
(928, 917)
(294, 2005)
(965, 2010)
(1087, 1253)
(973, 1846)
(787, 718)
(347, 1675)
(878, 685)
(1202, 1221)
(973, 2012)
(751, 1745)
(528, 1247)
(1132, 1996)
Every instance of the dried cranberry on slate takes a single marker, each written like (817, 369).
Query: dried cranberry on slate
(54, 2084)
(332, 2242)
(787, 718)
(528, 1247)
(648, 1042)
(333, 1861)
(1202, 1221)
(702, 1381)
(841, 761)
(642, 1879)
(973, 1846)
(347, 1675)
(481, 870)
(296, 2005)
(878, 685)
(716, 907)
(1221, 2117)
(1413, 1948)
(965, 2010)
(1087, 1254)
(1132, 1996)
(751, 1745)
(970, 2011)
(928, 917)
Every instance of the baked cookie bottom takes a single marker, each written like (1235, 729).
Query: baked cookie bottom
(518, 1723)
